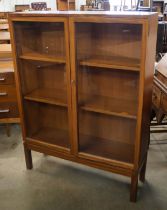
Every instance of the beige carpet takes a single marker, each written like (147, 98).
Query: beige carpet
(56, 184)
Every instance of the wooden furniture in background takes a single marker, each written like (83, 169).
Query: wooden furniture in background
(8, 100)
(63, 5)
(72, 5)
(22, 7)
(159, 6)
(4, 26)
(4, 33)
(5, 51)
(96, 5)
(39, 6)
(4, 37)
(159, 98)
(3, 21)
(89, 103)
(156, 5)
(146, 3)
(4, 15)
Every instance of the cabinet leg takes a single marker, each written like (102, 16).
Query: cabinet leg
(149, 140)
(134, 186)
(8, 130)
(28, 158)
(143, 171)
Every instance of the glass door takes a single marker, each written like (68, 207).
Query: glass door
(107, 71)
(44, 74)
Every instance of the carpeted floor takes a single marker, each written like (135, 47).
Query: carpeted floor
(55, 184)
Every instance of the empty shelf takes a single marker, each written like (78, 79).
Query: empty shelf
(122, 63)
(106, 148)
(42, 57)
(110, 106)
(51, 136)
(49, 96)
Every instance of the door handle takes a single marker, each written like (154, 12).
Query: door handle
(4, 110)
(3, 94)
(73, 82)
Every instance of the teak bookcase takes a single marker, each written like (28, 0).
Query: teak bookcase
(84, 82)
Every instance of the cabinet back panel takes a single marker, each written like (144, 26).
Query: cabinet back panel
(109, 83)
(109, 39)
(36, 75)
(117, 39)
(32, 121)
(40, 37)
(47, 123)
(54, 116)
(107, 127)
(108, 90)
(43, 115)
(106, 136)
(83, 40)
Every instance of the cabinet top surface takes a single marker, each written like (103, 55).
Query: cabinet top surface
(129, 14)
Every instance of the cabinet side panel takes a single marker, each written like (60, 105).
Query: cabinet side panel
(17, 75)
(149, 72)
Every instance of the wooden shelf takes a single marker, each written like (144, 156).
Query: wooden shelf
(111, 106)
(5, 51)
(3, 21)
(4, 26)
(49, 96)
(42, 57)
(122, 63)
(106, 148)
(4, 36)
(6, 66)
(10, 120)
(5, 48)
(52, 136)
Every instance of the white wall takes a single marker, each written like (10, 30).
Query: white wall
(8, 5)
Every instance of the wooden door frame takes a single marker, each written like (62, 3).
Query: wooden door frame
(72, 22)
(64, 20)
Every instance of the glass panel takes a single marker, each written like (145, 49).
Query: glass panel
(44, 82)
(42, 67)
(41, 40)
(108, 70)
(106, 136)
(47, 123)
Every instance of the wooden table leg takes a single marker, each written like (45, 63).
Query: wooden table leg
(143, 171)
(28, 158)
(8, 129)
(134, 186)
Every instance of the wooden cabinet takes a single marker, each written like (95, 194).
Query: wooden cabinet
(8, 101)
(85, 86)
(108, 87)
(159, 98)
(43, 64)
(65, 5)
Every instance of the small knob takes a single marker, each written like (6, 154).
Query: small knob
(73, 82)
